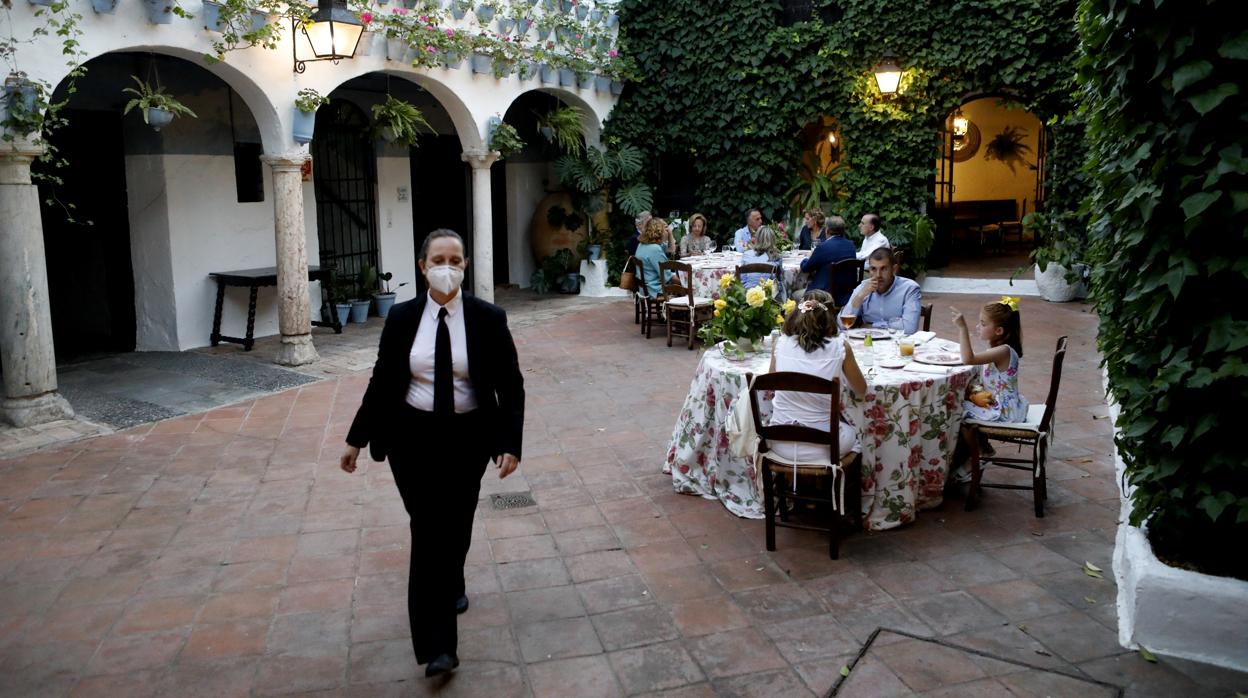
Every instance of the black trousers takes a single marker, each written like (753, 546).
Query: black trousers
(437, 464)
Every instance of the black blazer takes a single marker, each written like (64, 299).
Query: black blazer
(493, 369)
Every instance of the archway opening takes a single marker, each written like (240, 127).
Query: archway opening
(127, 253)
(988, 177)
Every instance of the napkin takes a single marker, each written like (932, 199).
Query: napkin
(927, 368)
(921, 337)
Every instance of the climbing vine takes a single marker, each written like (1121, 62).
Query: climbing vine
(729, 90)
(1165, 105)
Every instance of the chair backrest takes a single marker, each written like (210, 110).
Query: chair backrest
(925, 312)
(680, 283)
(758, 268)
(1050, 402)
(639, 281)
(799, 383)
(838, 269)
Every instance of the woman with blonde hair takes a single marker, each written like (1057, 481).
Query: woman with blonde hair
(810, 345)
(764, 251)
(697, 241)
(651, 251)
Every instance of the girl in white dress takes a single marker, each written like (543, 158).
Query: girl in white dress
(810, 345)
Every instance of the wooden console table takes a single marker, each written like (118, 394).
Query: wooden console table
(254, 279)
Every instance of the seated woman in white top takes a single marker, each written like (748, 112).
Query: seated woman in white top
(810, 345)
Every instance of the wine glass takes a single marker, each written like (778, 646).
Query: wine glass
(710, 246)
(895, 326)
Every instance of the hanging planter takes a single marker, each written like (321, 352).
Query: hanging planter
(581, 13)
(44, 3)
(567, 77)
(602, 84)
(212, 17)
(395, 49)
(522, 26)
(303, 125)
(158, 107)
(343, 310)
(453, 61)
(481, 64)
(531, 3)
(485, 13)
(409, 4)
(566, 6)
(259, 19)
(159, 11)
(617, 87)
(505, 25)
(595, 15)
(613, 19)
(550, 5)
(543, 32)
(585, 81)
(157, 118)
(550, 74)
(458, 12)
(104, 7)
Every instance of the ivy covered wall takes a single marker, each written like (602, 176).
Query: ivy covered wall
(1166, 124)
(725, 86)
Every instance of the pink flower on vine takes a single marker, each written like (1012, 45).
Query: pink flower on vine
(579, 50)
(450, 33)
(398, 10)
(613, 53)
(550, 45)
(431, 49)
(424, 19)
(578, 36)
(366, 17)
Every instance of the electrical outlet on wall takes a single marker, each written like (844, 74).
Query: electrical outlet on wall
(402, 193)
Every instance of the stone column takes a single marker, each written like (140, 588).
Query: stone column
(293, 318)
(26, 349)
(482, 222)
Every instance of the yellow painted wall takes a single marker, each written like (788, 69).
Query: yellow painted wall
(978, 178)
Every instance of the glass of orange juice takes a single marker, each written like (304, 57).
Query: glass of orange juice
(906, 347)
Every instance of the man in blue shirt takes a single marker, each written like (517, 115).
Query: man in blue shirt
(743, 239)
(819, 265)
(884, 295)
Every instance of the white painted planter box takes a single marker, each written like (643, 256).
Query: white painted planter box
(1171, 611)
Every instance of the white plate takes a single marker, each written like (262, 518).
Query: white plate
(862, 332)
(893, 362)
(938, 358)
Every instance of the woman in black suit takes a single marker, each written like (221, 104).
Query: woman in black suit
(446, 396)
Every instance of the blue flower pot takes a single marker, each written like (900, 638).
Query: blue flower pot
(543, 33)
(481, 64)
(344, 312)
(613, 19)
(212, 16)
(458, 13)
(602, 84)
(505, 25)
(453, 61)
(617, 87)
(396, 49)
(522, 26)
(158, 118)
(565, 5)
(594, 252)
(585, 81)
(258, 20)
(383, 301)
(303, 125)
(359, 311)
(550, 75)
(567, 77)
(485, 14)
(595, 15)
(104, 7)
(581, 13)
(159, 11)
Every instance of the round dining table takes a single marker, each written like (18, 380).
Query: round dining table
(708, 268)
(907, 426)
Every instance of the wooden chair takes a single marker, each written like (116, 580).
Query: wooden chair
(684, 311)
(839, 478)
(632, 265)
(1033, 433)
(925, 312)
(645, 307)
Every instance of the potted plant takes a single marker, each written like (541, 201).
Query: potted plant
(23, 105)
(104, 7)
(362, 298)
(158, 107)
(487, 9)
(556, 273)
(159, 11)
(397, 121)
(307, 101)
(564, 128)
(1008, 148)
(1058, 260)
(506, 140)
(459, 8)
(341, 302)
(385, 299)
(744, 317)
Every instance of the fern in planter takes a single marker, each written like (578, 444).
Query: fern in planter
(397, 121)
(1008, 147)
(506, 140)
(563, 127)
(813, 187)
(153, 101)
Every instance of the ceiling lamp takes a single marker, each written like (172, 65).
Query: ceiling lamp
(331, 35)
(887, 74)
(960, 124)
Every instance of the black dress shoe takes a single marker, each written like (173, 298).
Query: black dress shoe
(441, 664)
(461, 604)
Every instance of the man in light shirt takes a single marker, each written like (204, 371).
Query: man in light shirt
(872, 237)
(744, 238)
(884, 295)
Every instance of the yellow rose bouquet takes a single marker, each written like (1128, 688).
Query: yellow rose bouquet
(741, 314)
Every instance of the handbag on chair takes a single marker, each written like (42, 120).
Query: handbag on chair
(628, 280)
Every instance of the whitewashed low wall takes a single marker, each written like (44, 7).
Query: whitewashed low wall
(1170, 611)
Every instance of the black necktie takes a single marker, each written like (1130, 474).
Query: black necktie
(443, 386)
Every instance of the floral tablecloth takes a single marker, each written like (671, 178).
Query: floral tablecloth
(907, 423)
(708, 268)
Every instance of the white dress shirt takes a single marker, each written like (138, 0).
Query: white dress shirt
(871, 243)
(420, 392)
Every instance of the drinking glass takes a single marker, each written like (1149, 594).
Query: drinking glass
(710, 246)
(848, 321)
(895, 326)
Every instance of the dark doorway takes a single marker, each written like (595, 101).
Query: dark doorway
(344, 169)
(90, 277)
(441, 194)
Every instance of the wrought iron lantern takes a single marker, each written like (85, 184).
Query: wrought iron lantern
(331, 35)
(887, 74)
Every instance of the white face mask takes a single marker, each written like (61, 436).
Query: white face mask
(445, 279)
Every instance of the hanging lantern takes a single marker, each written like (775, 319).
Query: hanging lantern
(960, 124)
(331, 35)
(887, 74)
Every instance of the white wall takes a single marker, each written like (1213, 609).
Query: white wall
(525, 189)
(394, 229)
(155, 298)
(977, 178)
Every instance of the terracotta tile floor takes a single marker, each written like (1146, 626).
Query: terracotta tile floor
(224, 554)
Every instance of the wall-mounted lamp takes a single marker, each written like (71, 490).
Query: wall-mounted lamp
(960, 124)
(832, 138)
(887, 74)
(331, 35)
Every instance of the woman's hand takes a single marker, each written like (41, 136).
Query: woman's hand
(347, 462)
(959, 320)
(507, 464)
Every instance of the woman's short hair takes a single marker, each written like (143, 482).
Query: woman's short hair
(765, 243)
(812, 321)
(698, 217)
(640, 220)
(652, 233)
(440, 233)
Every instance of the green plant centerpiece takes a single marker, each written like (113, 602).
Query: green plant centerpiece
(398, 121)
(506, 140)
(743, 317)
(159, 107)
